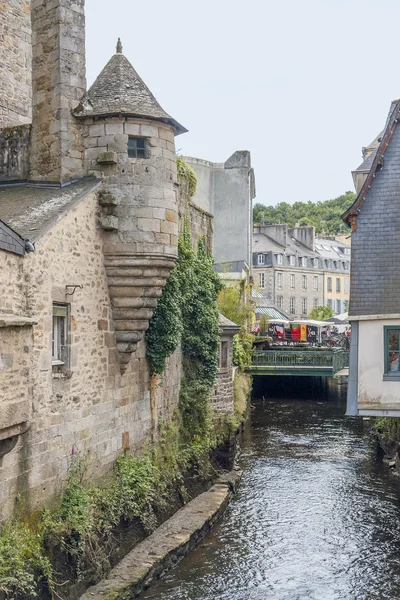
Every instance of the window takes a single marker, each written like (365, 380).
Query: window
(329, 284)
(346, 286)
(338, 284)
(279, 280)
(338, 306)
(261, 279)
(329, 302)
(304, 306)
(291, 306)
(304, 282)
(335, 264)
(279, 301)
(292, 281)
(279, 259)
(315, 283)
(292, 260)
(223, 355)
(59, 350)
(303, 261)
(261, 259)
(316, 302)
(346, 266)
(392, 350)
(136, 147)
(316, 263)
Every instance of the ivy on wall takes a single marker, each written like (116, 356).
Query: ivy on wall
(188, 174)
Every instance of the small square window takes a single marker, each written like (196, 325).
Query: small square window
(136, 147)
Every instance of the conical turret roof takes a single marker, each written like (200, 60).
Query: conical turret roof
(119, 90)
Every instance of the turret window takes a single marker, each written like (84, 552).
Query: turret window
(136, 147)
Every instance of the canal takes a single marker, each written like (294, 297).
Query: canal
(317, 515)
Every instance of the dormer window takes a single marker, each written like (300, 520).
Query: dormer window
(261, 259)
(279, 259)
(136, 147)
(292, 260)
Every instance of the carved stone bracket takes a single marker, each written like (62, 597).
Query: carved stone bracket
(135, 283)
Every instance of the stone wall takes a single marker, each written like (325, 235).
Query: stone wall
(222, 400)
(14, 153)
(58, 83)
(91, 408)
(200, 221)
(15, 62)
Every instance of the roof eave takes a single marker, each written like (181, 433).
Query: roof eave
(350, 215)
(179, 129)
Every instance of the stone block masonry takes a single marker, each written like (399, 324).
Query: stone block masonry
(15, 63)
(59, 82)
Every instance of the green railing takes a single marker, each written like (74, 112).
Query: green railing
(329, 361)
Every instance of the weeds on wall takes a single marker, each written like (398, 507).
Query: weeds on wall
(236, 305)
(186, 173)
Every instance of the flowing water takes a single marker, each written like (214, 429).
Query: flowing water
(316, 517)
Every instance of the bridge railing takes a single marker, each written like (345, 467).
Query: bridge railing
(328, 359)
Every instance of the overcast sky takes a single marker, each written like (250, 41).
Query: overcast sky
(302, 84)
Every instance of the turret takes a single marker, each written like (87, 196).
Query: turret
(129, 143)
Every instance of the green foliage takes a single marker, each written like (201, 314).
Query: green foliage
(388, 428)
(242, 350)
(321, 313)
(188, 174)
(263, 324)
(164, 332)
(323, 215)
(22, 560)
(195, 408)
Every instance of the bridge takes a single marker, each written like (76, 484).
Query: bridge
(299, 361)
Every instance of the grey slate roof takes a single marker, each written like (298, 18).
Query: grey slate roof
(227, 325)
(31, 210)
(119, 90)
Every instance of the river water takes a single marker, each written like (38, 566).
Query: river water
(316, 517)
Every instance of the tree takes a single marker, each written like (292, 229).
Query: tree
(321, 313)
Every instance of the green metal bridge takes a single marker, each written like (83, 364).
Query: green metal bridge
(297, 361)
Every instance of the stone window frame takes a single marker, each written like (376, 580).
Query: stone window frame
(391, 375)
(135, 149)
(261, 280)
(304, 282)
(279, 281)
(61, 321)
(292, 305)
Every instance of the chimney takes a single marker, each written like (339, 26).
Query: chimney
(305, 235)
(58, 82)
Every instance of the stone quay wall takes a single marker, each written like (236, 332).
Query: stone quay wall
(15, 62)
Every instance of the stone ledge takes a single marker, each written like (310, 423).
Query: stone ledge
(164, 548)
(17, 321)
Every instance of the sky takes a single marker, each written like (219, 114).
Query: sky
(302, 84)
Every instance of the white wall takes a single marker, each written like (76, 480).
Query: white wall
(374, 394)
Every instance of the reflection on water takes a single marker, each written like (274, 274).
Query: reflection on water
(316, 517)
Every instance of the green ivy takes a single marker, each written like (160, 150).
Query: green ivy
(188, 174)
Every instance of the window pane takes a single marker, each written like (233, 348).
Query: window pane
(393, 361)
(394, 339)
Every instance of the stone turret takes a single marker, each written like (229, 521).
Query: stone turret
(129, 144)
(58, 83)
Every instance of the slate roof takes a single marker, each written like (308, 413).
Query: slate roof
(119, 90)
(227, 325)
(31, 210)
(264, 243)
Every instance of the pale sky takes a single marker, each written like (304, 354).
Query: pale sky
(302, 84)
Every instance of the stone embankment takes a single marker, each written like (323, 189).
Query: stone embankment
(167, 545)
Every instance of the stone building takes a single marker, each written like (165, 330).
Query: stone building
(298, 272)
(374, 377)
(226, 190)
(90, 210)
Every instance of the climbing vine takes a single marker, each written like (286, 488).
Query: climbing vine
(186, 173)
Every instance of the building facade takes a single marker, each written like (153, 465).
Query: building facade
(298, 272)
(86, 248)
(227, 190)
(374, 377)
